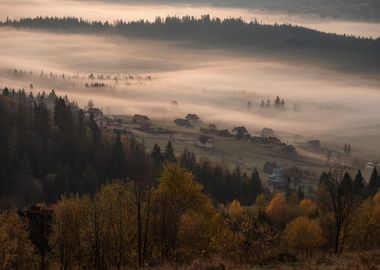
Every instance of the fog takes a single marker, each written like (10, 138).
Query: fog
(98, 10)
(214, 84)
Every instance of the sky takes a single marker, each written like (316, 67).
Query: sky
(98, 10)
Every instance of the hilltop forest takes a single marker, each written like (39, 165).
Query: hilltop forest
(339, 51)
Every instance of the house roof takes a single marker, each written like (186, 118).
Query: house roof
(276, 176)
(183, 122)
(240, 129)
(192, 116)
(140, 116)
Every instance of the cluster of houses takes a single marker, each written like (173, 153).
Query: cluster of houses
(116, 125)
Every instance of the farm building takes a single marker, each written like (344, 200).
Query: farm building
(314, 145)
(276, 179)
(192, 117)
(267, 132)
(183, 123)
(239, 131)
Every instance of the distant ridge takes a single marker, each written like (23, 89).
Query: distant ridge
(348, 52)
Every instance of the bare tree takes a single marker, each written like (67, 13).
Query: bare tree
(338, 203)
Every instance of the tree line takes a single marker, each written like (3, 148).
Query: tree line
(233, 33)
(130, 224)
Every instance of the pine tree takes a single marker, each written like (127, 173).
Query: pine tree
(324, 179)
(277, 102)
(188, 160)
(347, 183)
(256, 184)
(373, 185)
(169, 153)
(157, 157)
(358, 182)
(117, 161)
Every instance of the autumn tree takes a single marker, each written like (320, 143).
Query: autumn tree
(96, 236)
(309, 208)
(251, 236)
(176, 196)
(118, 212)
(278, 210)
(303, 235)
(16, 250)
(68, 227)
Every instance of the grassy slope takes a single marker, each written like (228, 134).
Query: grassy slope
(229, 151)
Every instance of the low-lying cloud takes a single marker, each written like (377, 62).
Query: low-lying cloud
(212, 83)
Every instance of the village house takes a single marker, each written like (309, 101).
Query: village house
(239, 131)
(183, 123)
(97, 114)
(224, 133)
(267, 132)
(193, 117)
(288, 150)
(140, 119)
(276, 180)
(314, 145)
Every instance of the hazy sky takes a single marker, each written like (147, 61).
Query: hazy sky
(111, 11)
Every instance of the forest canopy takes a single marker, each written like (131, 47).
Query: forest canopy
(344, 52)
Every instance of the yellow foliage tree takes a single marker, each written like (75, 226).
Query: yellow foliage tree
(279, 211)
(118, 210)
(250, 236)
(309, 207)
(179, 206)
(16, 251)
(303, 235)
(376, 199)
(363, 230)
(68, 226)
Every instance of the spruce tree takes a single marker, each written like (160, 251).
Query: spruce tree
(257, 187)
(157, 157)
(373, 185)
(169, 153)
(358, 182)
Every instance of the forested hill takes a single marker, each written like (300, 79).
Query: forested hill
(342, 51)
